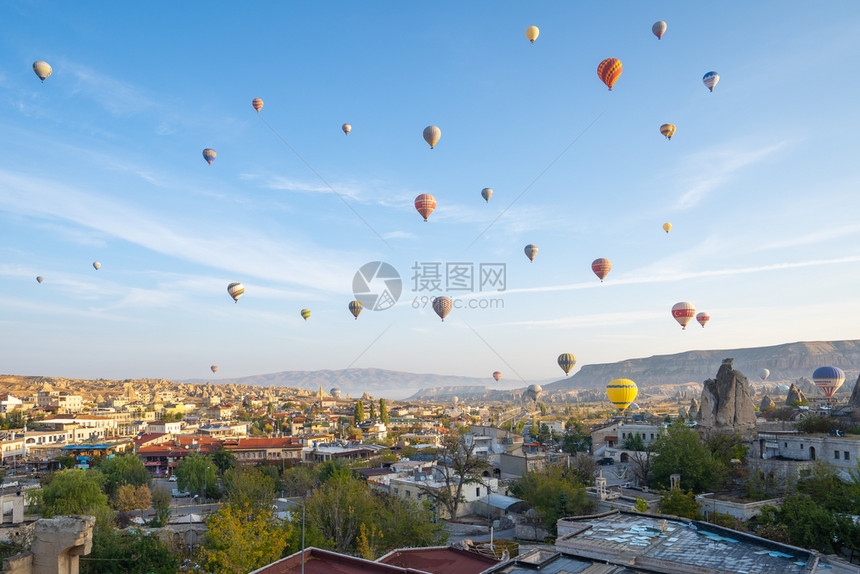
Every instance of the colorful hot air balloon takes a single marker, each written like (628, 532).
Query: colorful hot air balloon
(763, 374)
(214, 368)
(531, 251)
(497, 375)
(97, 265)
(683, 312)
(668, 130)
(608, 71)
(235, 290)
(828, 379)
(487, 193)
(42, 69)
(442, 306)
(532, 33)
(209, 155)
(355, 308)
(306, 313)
(40, 278)
(601, 268)
(659, 28)
(432, 135)
(257, 103)
(566, 361)
(703, 318)
(425, 204)
(346, 128)
(621, 393)
(710, 80)
(667, 227)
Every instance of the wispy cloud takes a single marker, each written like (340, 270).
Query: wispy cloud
(595, 320)
(117, 97)
(810, 238)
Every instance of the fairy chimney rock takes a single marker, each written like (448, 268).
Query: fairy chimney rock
(796, 396)
(726, 404)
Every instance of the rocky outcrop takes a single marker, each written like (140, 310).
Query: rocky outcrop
(726, 404)
(854, 402)
(694, 406)
(795, 396)
(766, 404)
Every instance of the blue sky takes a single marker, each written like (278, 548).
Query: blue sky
(103, 162)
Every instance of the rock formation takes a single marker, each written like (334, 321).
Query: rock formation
(767, 404)
(795, 396)
(854, 402)
(694, 406)
(726, 405)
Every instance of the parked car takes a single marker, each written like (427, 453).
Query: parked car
(606, 460)
(176, 493)
(172, 478)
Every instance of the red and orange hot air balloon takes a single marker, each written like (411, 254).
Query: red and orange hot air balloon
(497, 375)
(609, 71)
(601, 268)
(425, 204)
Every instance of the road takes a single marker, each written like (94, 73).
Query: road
(184, 505)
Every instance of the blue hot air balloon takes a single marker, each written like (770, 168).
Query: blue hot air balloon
(828, 379)
(710, 80)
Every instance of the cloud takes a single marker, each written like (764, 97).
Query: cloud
(596, 320)
(117, 97)
(811, 238)
(399, 235)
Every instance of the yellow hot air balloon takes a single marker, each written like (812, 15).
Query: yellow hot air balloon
(668, 130)
(209, 155)
(532, 32)
(306, 313)
(355, 308)
(42, 69)
(621, 393)
(432, 134)
(346, 128)
(257, 103)
(667, 227)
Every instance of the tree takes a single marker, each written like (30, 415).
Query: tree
(681, 451)
(358, 414)
(825, 487)
(634, 441)
(576, 440)
(337, 510)
(223, 459)
(372, 414)
(675, 502)
(196, 473)
(73, 491)
(129, 498)
(241, 539)
(383, 411)
(128, 552)
(300, 480)
(459, 467)
(554, 493)
(641, 505)
(249, 487)
(124, 469)
(582, 469)
(161, 504)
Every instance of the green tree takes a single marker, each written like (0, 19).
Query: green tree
(299, 480)
(65, 461)
(383, 411)
(161, 504)
(249, 487)
(372, 414)
(223, 460)
(634, 441)
(73, 491)
(825, 487)
(576, 440)
(675, 502)
(641, 505)
(358, 414)
(681, 451)
(554, 494)
(128, 552)
(242, 538)
(196, 473)
(124, 469)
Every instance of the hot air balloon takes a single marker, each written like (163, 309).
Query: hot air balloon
(335, 392)
(235, 290)
(683, 312)
(455, 400)
(703, 318)
(828, 379)
(432, 135)
(566, 361)
(40, 278)
(214, 368)
(763, 374)
(531, 251)
(487, 193)
(96, 265)
(257, 103)
(346, 128)
(532, 33)
(306, 313)
(442, 306)
(355, 308)
(621, 393)
(668, 130)
(608, 71)
(601, 268)
(667, 227)
(209, 155)
(42, 69)
(425, 204)
(533, 392)
(710, 80)
(659, 28)
(497, 375)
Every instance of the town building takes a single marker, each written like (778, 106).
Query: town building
(843, 452)
(256, 450)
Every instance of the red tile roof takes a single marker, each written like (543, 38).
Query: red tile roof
(326, 562)
(145, 438)
(439, 560)
(264, 443)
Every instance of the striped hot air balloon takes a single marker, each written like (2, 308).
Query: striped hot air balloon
(609, 71)
(621, 393)
(235, 290)
(683, 312)
(601, 268)
(531, 251)
(828, 379)
(42, 69)
(703, 318)
(659, 28)
(668, 130)
(425, 204)
(532, 33)
(710, 80)
(257, 103)
(497, 375)
(442, 306)
(432, 134)
(214, 368)
(355, 308)
(346, 128)
(566, 361)
(306, 313)
(209, 155)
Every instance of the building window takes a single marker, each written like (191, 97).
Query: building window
(836, 454)
(846, 455)
(478, 490)
(801, 446)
